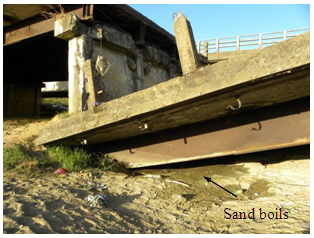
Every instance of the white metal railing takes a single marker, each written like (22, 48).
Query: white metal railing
(255, 41)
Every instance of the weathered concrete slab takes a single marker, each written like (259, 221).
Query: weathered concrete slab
(219, 56)
(273, 75)
(186, 44)
(268, 128)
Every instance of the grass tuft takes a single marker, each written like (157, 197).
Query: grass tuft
(71, 159)
(18, 161)
(55, 101)
(27, 162)
(14, 156)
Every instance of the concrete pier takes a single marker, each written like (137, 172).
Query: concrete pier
(131, 66)
(77, 57)
(139, 54)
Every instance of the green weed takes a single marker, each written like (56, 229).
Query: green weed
(14, 156)
(56, 101)
(17, 161)
(107, 163)
(71, 159)
(27, 162)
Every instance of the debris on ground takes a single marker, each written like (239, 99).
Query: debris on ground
(94, 201)
(177, 182)
(60, 171)
(99, 187)
(164, 176)
(152, 176)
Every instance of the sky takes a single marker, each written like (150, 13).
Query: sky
(221, 20)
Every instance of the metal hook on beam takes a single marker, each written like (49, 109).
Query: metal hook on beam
(84, 141)
(235, 108)
(143, 126)
(174, 15)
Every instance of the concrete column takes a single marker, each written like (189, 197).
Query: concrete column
(186, 44)
(81, 48)
(77, 92)
(139, 73)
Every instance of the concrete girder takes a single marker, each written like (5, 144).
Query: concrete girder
(33, 27)
(70, 26)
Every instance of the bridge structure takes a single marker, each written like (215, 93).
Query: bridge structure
(218, 49)
(213, 50)
(145, 97)
(250, 103)
(140, 52)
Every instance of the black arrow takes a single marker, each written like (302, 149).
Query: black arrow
(209, 180)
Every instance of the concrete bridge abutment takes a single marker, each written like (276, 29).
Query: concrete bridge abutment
(118, 65)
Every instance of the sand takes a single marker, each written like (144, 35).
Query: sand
(140, 204)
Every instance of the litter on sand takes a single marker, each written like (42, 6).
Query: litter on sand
(167, 180)
(60, 171)
(99, 187)
(177, 182)
(94, 201)
(152, 176)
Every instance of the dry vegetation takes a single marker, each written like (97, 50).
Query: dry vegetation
(53, 12)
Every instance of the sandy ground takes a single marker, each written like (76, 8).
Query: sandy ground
(139, 204)
(21, 131)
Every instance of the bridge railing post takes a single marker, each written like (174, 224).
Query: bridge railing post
(255, 41)
(205, 49)
(284, 35)
(238, 44)
(217, 45)
(260, 40)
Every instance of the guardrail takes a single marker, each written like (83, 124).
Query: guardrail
(255, 41)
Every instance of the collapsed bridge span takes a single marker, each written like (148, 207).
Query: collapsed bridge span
(272, 76)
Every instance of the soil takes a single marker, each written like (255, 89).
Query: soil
(172, 199)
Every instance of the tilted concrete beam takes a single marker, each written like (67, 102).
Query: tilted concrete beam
(186, 44)
(273, 75)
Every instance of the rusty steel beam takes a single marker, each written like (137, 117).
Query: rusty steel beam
(34, 27)
(277, 127)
